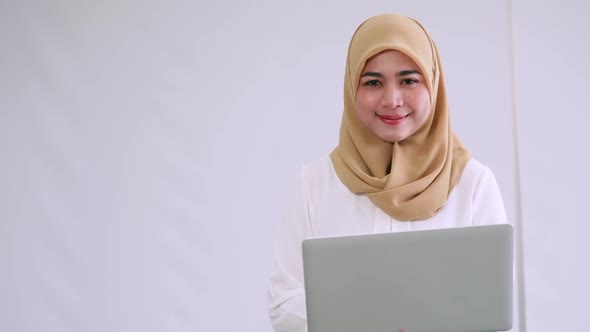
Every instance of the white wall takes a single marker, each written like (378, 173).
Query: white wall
(553, 76)
(148, 147)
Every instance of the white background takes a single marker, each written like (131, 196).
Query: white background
(147, 148)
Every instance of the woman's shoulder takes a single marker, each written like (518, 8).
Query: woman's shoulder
(317, 167)
(317, 172)
(479, 183)
(474, 172)
(318, 176)
(320, 172)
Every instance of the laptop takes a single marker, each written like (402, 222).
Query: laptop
(445, 280)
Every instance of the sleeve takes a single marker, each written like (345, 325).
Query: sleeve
(286, 293)
(488, 206)
(489, 209)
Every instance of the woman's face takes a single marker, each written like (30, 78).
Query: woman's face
(392, 99)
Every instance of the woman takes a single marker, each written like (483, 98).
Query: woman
(398, 165)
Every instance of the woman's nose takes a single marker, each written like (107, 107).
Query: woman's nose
(392, 98)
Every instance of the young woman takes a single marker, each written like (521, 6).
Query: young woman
(398, 165)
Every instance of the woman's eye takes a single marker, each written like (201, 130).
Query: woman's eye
(372, 83)
(409, 81)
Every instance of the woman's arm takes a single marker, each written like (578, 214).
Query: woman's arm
(488, 206)
(287, 310)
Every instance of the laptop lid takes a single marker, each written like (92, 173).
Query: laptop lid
(457, 279)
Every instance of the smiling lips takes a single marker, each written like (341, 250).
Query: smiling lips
(392, 119)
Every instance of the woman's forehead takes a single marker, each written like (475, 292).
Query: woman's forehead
(391, 58)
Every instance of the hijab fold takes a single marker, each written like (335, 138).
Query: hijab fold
(409, 180)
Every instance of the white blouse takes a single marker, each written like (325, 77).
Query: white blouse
(322, 205)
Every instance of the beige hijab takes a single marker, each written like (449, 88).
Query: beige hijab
(412, 179)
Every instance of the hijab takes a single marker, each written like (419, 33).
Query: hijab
(411, 179)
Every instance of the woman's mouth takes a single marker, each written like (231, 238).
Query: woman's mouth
(392, 120)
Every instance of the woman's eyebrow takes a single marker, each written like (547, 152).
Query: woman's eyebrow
(400, 74)
(373, 74)
(408, 72)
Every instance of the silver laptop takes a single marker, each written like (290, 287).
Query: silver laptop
(449, 280)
